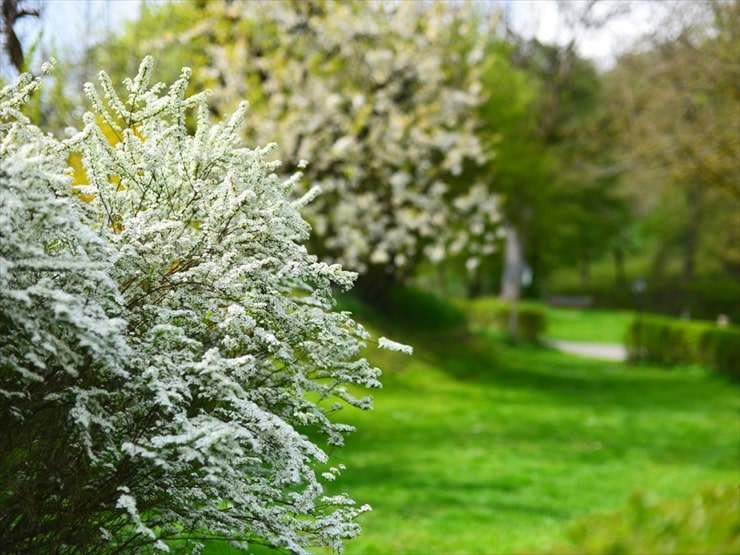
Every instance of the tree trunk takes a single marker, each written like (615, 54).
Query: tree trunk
(11, 13)
(694, 196)
(372, 285)
(511, 282)
(620, 275)
(474, 284)
(440, 271)
(585, 266)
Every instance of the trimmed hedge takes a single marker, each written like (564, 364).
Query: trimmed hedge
(493, 312)
(704, 299)
(673, 341)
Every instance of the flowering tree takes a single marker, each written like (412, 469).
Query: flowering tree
(380, 97)
(166, 337)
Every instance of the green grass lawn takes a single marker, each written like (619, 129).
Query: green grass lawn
(569, 324)
(589, 325)
(478, 446)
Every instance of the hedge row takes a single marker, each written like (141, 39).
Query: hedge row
(492, 312)
(704, 299)
(673, 341)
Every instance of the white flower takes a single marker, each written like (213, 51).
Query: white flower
(385, 343)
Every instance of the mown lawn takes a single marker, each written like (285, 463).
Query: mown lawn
(589, 325)
(478, 446)
(568, 324)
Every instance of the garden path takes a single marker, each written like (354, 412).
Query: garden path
(601, 351)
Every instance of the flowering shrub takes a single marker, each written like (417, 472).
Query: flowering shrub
(166, 336)
(62, 348)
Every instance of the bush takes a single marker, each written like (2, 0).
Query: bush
(720, 348)
(166, 340)
(673, 341)
(493, 312)
(708, 522)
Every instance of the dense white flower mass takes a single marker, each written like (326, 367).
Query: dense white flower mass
(165, 307)
(380, 97)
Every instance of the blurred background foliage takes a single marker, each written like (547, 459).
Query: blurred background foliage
(604, 174)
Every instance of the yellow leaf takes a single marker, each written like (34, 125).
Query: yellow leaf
(79, 175)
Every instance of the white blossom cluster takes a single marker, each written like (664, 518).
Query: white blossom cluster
(55, 287)
(62, 339)
(381, 98)
(185, 279)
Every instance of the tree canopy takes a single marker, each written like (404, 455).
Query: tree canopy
(677, 100)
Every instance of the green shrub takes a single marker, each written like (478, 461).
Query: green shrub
(720, 348)
(708, 522)
(531, 321)
(493, 312)
(673, 341)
